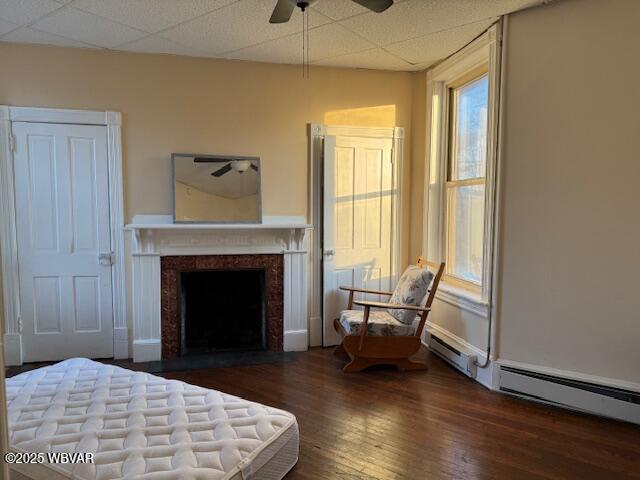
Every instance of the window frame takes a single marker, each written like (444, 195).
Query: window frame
(482, 56)
(450, 183)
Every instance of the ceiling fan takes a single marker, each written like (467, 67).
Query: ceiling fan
(239, 166)
(284, 8)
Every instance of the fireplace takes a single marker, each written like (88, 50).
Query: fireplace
(222, 310)
(161, 251)
(212, 303)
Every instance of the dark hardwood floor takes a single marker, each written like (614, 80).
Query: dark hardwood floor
(385, 424)
(438, 424)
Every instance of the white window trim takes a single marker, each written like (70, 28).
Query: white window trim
(485, 50)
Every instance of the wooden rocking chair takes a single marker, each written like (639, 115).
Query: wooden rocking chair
(366, 350)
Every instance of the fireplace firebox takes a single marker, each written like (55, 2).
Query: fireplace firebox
(222, 310)
(212, 303)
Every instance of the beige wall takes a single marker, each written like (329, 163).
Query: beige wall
(180, 104)
(570, 295)
(570, 235)
(418, 154)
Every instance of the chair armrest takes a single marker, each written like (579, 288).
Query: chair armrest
(417, 308)
(364, 290)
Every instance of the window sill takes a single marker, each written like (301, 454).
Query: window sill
(463, 299)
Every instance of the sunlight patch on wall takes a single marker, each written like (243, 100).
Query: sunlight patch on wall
(380, 116)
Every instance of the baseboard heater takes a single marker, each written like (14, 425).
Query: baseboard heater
(573, 394)
(465, 362)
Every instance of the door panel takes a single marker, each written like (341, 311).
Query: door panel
(344, 197)
(46, 299)
(62, 222)
(42, 199)
(357, 221)
(86, 293)
(83, 194)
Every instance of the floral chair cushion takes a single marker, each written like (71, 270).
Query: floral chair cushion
(380, 324)
(411, 290)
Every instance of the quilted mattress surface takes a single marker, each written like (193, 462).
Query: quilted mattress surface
(142, 426)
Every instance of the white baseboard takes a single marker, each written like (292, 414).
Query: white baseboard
(565, 390)
(315, 331)
(571, 375)
(120, 342)
(456, 341)
(295, 340)
(485, 376)
(147, 350)
(12, 349)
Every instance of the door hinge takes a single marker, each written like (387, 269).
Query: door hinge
(12, 143)
(20, 324)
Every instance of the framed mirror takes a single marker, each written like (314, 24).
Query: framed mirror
(216, 189)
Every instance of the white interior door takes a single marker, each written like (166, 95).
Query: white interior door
(64, 246)
(358, 193)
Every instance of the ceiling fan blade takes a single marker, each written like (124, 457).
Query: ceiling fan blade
(377, 6)
(254, 167)
(282, 12)
(222, 171)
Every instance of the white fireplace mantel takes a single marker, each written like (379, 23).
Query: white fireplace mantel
(154, 236)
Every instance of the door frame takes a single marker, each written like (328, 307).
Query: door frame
(317, 133)
(8, 236)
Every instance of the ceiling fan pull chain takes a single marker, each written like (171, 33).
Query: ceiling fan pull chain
(308, 12)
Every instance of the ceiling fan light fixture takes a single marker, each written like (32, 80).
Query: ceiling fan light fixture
(241, 166)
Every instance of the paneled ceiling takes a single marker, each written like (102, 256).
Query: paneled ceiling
(411, 35)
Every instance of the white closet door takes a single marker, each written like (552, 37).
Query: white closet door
(358, 179)
(64, 246)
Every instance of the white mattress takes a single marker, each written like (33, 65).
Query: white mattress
(144, 427)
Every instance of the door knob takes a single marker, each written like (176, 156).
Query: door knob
(329, 253)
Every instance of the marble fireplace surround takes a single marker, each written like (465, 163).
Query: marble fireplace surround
(172, 266)
(155, 236)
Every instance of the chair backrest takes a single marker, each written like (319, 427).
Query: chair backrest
(439, 268)
(422, 262)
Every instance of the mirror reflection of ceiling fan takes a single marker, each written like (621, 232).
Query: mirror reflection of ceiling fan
(284, 8)
(239, 166)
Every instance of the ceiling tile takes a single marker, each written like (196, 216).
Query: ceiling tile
(325, 41)
(413, 34)
(339, 9)
(150, 15)
(375, 59)
(237, 26)
(29, 35)
(6, 26)
(87, 28)
(428, 49)
(24, 12)
(156, 44)
(415, 18)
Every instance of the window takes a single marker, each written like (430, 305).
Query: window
(460, 176)
(465, 183)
